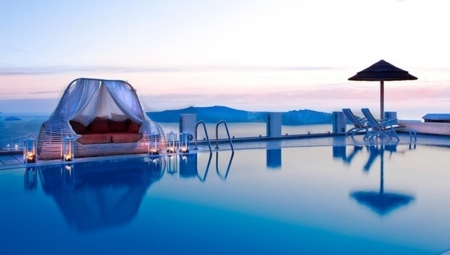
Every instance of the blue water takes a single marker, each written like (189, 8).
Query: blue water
(339, 200)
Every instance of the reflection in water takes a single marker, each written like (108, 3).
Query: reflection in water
(374, 152)
(381, 202)
(341, 152)
(97, 195)
(30, 179)
(273, 158)
(172, 164)
(223, 176)
(188, 166)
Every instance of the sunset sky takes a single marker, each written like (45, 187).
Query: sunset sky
(265, 55)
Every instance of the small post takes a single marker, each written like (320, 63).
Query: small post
(188, 124)
(273, 125)
(339, 123)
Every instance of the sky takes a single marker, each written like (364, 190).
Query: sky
(265, 55)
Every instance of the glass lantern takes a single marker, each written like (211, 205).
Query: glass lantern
(153, 144)
(29, 150)
(184, 142)
(68, 148)
(172, 138)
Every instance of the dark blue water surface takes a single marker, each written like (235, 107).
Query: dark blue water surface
(339, 200)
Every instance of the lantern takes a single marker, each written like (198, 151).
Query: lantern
(153, 145)
(184, 143)
(172, 137)
(29, 150)
(68, 148)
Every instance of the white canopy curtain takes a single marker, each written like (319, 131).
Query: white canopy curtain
(115, 100)
(83, 101)
(126, 99)
(79, 96)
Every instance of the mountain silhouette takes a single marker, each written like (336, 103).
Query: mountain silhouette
(214, 114)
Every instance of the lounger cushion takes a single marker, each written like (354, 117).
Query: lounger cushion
(77, 127)
(94, 138)
(125, 137)
(133, 127)
(99, 125)
(118, 126)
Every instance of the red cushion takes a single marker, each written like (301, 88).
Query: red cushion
(125, 137)
(99, 125)
(77, 127)
(133, 127)
(118, 126)
(94, 138)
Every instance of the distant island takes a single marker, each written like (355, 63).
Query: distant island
(214, 114)
(12, 118)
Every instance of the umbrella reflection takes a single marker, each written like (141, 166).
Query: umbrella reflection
(381, 202)
(96, 195)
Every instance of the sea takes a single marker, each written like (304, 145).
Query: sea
(12, 133)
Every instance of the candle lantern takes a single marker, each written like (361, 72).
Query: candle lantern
(184, 142)
(153, 144)
(29, 149)
(172, 137)
(68, 148)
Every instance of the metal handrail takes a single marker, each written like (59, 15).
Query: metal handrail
(228, 168)
(228, 134)
(207, 169)
(206, 133)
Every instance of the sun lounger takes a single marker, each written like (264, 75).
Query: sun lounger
(360, 124)
(380, 128)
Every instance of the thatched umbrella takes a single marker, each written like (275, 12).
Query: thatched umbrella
(382, 71)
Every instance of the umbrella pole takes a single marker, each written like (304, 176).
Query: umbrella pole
(381, 100)
(382, 171)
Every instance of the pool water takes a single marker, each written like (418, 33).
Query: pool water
(310, 200)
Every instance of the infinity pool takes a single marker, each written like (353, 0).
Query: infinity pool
(340, 200)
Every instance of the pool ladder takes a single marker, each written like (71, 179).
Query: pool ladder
(217, 135)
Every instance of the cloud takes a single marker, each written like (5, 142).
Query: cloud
(45, 92)
(9, 71)
(42, 105)
(329, 97)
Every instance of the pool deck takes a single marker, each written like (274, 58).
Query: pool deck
(13, 158)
